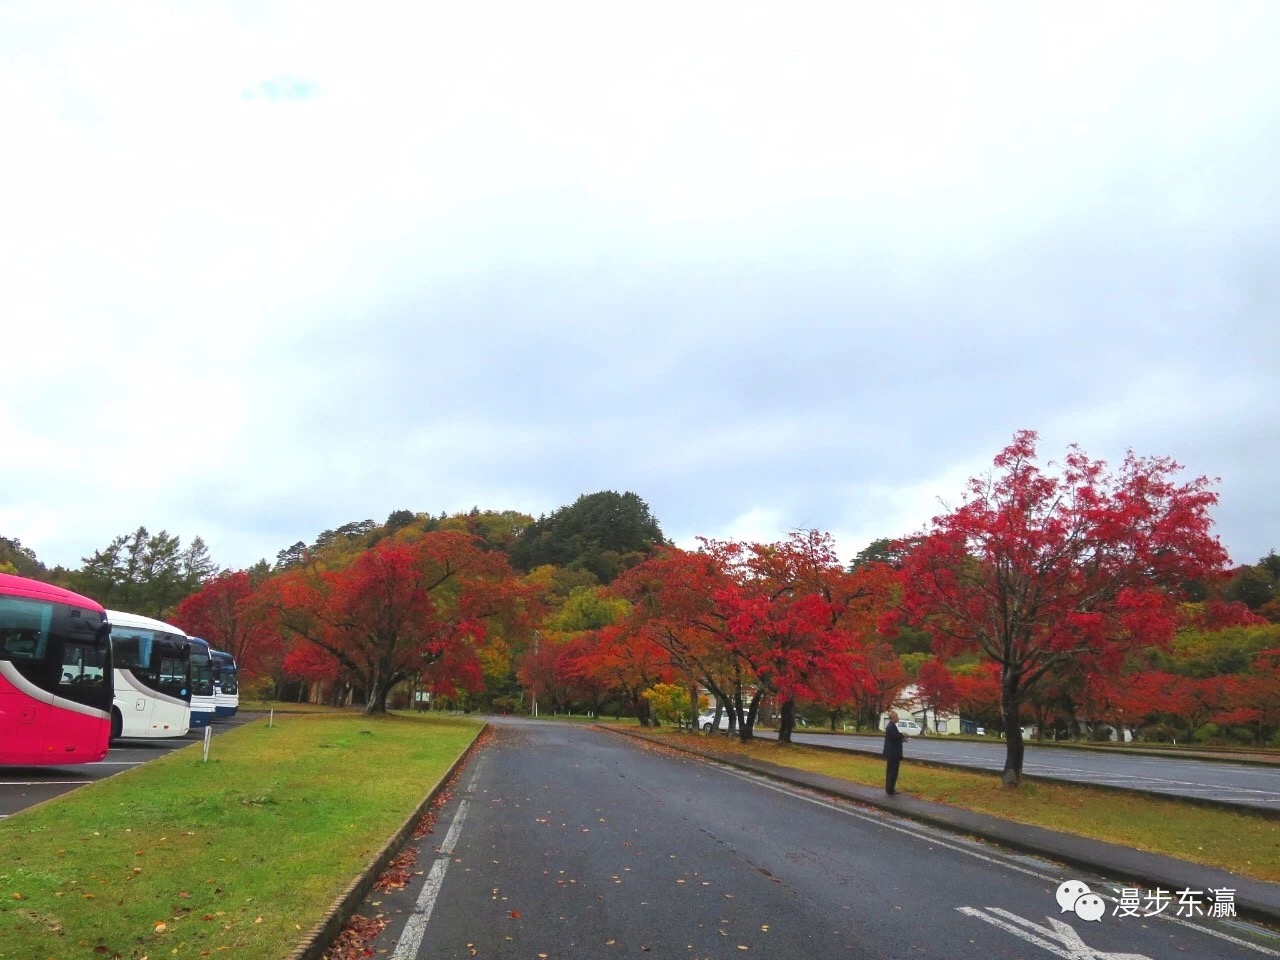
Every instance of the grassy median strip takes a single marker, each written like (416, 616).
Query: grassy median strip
(235, 858)
(1246, 844)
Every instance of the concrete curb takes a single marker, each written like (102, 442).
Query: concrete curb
(1264, 813)
(1205, 756)
(326, 931)
(1254, 899)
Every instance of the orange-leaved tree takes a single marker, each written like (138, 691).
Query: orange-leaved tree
(673, 604)
(625, 661)
(1035, 569)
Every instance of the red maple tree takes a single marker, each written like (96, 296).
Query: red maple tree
(1253, 699)
(674, 605)
(228, 612)
(1034, 569)
(405, 609)
(784, 610)
(936, 689)
(884, 679)
(625, 660)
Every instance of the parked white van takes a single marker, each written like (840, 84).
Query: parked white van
(907, 726)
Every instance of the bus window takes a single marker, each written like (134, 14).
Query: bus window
(17, 644)
(173, 670)
(131, 652)
(83, 664)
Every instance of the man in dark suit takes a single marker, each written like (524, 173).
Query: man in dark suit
(893, 741)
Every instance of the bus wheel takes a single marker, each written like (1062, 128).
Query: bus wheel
(117, 724)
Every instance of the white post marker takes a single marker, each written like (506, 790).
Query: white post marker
(271, 718)
(1058, 938)
(208, 736)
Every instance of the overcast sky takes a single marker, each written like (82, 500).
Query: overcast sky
(269, 268)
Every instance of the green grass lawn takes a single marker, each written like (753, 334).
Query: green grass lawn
(1241, 842)
(236, 858)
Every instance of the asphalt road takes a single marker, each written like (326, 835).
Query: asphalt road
(559, 841)
(1255, 786)
(22, 787)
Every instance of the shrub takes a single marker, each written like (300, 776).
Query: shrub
(1207, 733)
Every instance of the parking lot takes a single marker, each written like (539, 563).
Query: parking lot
(22, 787)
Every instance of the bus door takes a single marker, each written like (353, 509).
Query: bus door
(78, 731)
(173, 679)
(131, 656)
(24, 703)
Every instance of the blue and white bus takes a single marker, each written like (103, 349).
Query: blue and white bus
(202, 697)
(152, 673)
(226, 688)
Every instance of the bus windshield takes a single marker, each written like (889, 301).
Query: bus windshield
(226, 691)
(201, 671)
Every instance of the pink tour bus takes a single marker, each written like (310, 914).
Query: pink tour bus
(55, 675)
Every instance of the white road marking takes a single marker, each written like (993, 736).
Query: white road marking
(995, 861)
(1058, 938)
(416, 926)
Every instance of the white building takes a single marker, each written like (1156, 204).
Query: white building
(907, 702)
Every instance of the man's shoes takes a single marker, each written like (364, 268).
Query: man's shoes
(892, 793)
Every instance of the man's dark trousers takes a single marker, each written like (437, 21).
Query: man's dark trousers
(891, 774)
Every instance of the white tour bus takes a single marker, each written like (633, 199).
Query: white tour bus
(152, 671)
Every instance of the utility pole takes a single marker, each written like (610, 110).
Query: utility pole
(536, 638)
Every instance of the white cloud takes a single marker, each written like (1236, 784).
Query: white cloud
(767, 268)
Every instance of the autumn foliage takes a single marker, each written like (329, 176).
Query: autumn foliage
(1035, 570)
(228, 612)
(1069, 598)
(404, 609)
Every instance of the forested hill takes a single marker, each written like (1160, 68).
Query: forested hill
(604, 533)
(593, 540)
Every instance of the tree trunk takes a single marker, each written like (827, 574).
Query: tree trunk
(749, 720)
(787, 722)
(1010, 711)
(377, 703)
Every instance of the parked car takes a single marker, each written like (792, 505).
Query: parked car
(908, 727)
(707, 720)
